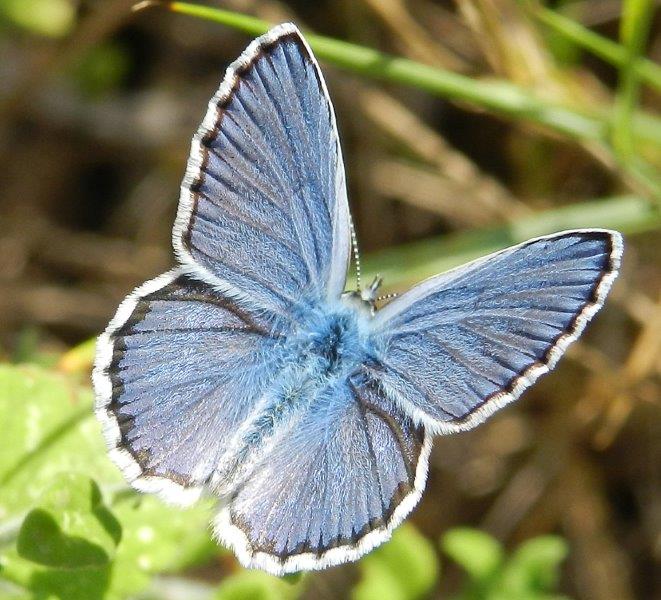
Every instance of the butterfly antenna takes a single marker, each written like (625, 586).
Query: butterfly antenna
(356, 254)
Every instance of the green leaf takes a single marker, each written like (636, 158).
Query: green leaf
(155, 539)
(42, 540)
(69, 584)
(48, 428)
(158, 538)
(65, 547)
(57, 536)
(71, 528)
(530, 574)
(378, 582)
(534, 566)
(477, 552)
(403, 569)
(257, 585)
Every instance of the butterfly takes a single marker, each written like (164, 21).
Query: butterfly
(248, 370)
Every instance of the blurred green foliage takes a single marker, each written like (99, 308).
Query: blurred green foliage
(52, 18)
(531, 572)
(260, 586)
(69, 529)
(404, 569)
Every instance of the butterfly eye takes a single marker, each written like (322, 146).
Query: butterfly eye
(369, 294)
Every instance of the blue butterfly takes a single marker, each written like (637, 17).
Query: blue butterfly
(247, 370)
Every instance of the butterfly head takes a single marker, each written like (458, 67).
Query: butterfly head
(364, 299)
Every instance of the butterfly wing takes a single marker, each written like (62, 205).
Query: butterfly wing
(177, 371)
(263, 215)
(330, 488)
(262, 231)
(462, 344)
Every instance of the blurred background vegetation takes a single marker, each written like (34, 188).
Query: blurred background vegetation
(502, 120)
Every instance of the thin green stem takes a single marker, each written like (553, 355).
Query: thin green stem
(634, 29)
(606, 49)
(500, 96)
(406, 264)
(496, 95)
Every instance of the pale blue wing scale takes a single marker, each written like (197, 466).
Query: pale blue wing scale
(263, 214)
(330, 487)
(462, 344)
(178, 371)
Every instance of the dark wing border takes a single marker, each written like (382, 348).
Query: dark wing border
(166, 489)
(232, 536)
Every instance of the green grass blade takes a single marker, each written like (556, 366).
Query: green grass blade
(606, 49)
(413, 262)
(499, 96)
(496, 95)
(634, 29)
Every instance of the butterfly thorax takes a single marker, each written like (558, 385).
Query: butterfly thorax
(332, 343)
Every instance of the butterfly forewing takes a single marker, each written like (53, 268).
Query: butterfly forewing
(464, 343)
(263, 214)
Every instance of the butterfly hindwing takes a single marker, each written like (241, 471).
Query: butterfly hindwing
(464, 343)
(263, 214)
(177, 372)
(332, 487)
